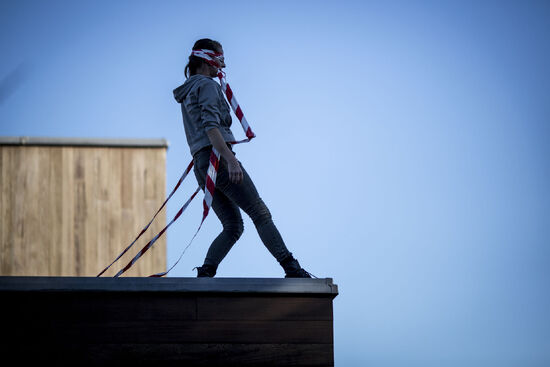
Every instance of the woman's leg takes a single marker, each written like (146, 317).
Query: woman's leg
(227, 199)
(232, 222)
(247, 198)
(227, 212)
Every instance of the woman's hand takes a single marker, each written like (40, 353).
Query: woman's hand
(235, 171)
(233, 165)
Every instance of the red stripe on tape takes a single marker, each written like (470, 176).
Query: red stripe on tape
(210, 185)
(228, 93)
(239, 113)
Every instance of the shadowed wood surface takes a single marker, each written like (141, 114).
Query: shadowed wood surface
(188, 355)
(70, 210)
(220, 322)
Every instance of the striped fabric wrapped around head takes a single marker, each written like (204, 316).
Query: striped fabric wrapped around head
(212, 57)
(215, 58)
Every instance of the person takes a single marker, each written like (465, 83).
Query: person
(207, 122)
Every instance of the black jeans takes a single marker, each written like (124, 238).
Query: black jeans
(227, 200)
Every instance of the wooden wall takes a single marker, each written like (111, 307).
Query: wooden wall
(169, 321)
(70, 210)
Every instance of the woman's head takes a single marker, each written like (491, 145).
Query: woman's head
(195, 63)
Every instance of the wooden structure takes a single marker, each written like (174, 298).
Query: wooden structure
(168, 321)
(68, 206)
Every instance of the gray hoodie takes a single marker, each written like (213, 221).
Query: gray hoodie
(203, 107)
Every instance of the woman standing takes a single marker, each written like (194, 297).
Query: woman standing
(207, 122)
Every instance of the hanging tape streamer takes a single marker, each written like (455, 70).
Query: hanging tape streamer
(209, 189)
(210, 185)
(151, 221)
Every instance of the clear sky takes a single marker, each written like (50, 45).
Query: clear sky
(402, 149)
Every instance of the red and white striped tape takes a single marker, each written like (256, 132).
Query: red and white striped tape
(214, 59)
(150, 243)
(209, 189)
(236, 108)
(151, 221)
(210, 186)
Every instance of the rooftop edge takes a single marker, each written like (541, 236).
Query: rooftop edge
(84, 142)
(322, 286)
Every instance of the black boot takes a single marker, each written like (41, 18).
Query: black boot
(293, 269)
(206, 271)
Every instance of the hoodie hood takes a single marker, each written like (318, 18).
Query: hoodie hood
(203, 107)
(183, 90)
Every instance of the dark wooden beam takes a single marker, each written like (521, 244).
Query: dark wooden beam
(183, 321)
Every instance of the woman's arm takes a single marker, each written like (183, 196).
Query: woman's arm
(233, 166)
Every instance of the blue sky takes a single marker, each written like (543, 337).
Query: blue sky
(402, 149)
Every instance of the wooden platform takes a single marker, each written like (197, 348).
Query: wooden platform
(168, 321)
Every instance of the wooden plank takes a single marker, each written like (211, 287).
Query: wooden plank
(183, 331)
(126, 222)
(18, 211)
(149, 177)
(127, 306)
(135, 213)
(310, 355)
(139, 213)
(156, 163)
(92, 158)
(115, 244)
(40, 235)
(264, 308)
(33, 201)
(102, 307)
(4, 249)
(81, 210)
(151, 202)
(118, 307)
(55, 211)
(107, 199)
(69, 207)
(6, 210)
(145, 203)
(127, 188)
